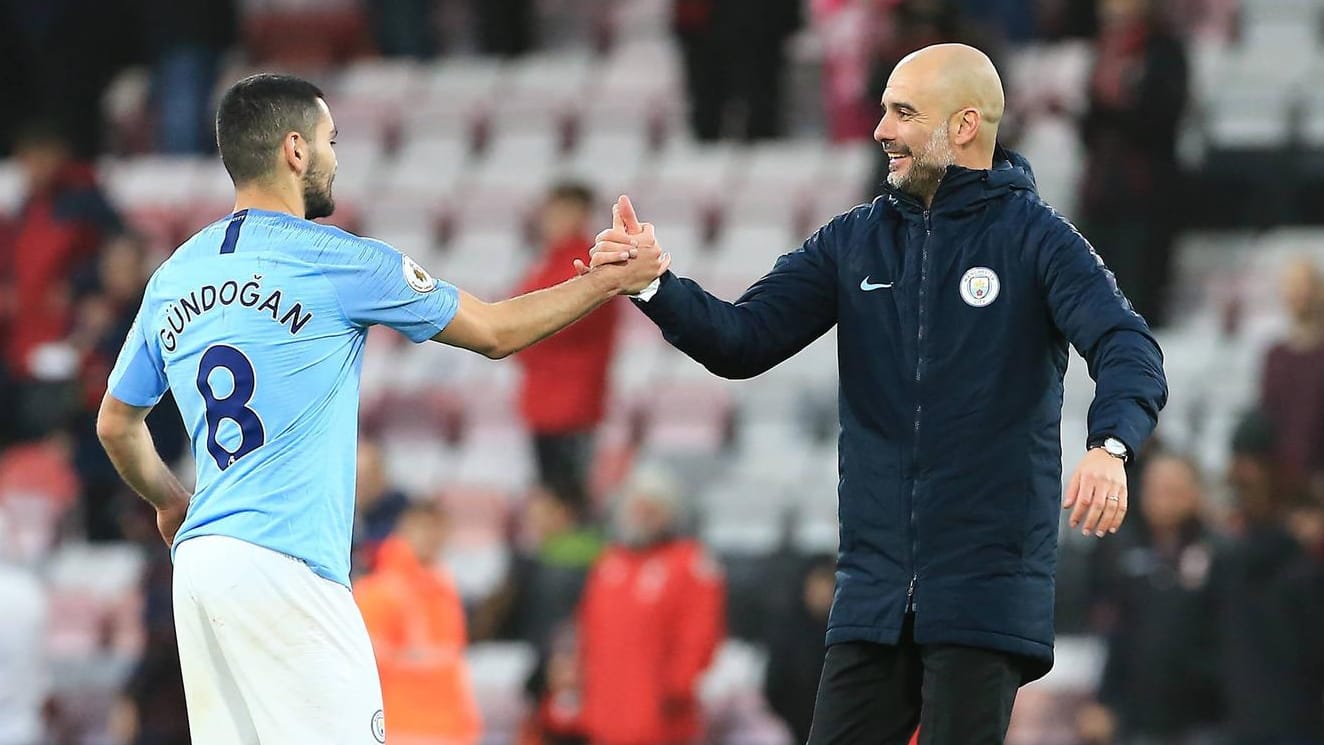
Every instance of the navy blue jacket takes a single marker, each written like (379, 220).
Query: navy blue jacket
(953, 324)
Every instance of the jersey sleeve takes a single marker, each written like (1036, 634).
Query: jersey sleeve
(380, 285)
(138, 378)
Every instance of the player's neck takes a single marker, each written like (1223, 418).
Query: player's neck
(266, 197)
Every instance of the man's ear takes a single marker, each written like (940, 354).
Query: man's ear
(295, 150)
(968, 123)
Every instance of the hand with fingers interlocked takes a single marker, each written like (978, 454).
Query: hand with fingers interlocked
(625, 241)
(1097, 495)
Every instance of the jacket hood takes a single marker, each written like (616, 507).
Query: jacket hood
(964, 189)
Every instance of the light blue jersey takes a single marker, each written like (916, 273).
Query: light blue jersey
(257, 326)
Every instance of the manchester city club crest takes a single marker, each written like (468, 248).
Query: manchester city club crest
(379, 726)
(980, 286)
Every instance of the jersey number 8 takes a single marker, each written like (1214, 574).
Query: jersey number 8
(233, 406)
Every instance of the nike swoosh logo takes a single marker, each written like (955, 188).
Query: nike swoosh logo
(868, 286)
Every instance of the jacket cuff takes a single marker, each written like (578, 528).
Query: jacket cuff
(645, 295)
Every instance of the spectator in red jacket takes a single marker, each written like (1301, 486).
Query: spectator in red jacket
(565, 377)
(652, 617)
(50, 258)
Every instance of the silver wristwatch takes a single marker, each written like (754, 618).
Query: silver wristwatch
(1114, 447)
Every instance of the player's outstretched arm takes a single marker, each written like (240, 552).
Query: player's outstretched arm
(123, 432)
(776, 317)
(497, 330)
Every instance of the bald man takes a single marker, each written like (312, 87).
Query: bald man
(954, 294)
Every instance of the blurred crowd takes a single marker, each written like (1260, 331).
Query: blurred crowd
(1211, 608)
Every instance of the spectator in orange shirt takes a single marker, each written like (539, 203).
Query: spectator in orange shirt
(414, 616)
(652, 617)
(563, 396)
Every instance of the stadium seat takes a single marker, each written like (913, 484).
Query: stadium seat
(736, 672)
(610, 162)
(495, 458)
(389, 83)
(647, 20)
(486, 262)
(511, 150)
(417, 232)
(478, 516)
(747, 250)
(743, 514)
(13, 187)
(477, 570)
(543, 94)
(638, 90)
(95, 601)
(687, 183)
(778, 180)
(831, 198)
(1250, 106)
(686, 415)
(1271, 36)
(498, 671)
(153, 193)
(418, 464)
(37, 488)
(424, 173)
(1052, 145)
(1305, 13)
(454, 100)
(507, 184)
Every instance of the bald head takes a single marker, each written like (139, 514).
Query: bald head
(956, 77)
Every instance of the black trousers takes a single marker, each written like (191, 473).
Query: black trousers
(875, 694)
(564, 461)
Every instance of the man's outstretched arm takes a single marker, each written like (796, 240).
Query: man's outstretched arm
(503, 328)
(375, 284)
(123, 432)
(779, 315)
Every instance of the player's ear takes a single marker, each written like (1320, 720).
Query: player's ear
(294, 149)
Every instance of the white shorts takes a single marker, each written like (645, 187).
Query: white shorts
(271, 652)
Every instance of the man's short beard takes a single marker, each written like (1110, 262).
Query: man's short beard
(317, 198)
(927, 167)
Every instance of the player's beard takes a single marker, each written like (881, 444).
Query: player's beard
(317, 199)
(927, 166)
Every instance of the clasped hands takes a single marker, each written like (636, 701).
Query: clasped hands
(628, 248)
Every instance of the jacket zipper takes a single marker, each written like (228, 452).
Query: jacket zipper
(919, 408)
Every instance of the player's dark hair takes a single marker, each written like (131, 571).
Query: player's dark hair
(575, 192)
(254, 116)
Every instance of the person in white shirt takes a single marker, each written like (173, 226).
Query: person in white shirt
(23, 667)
